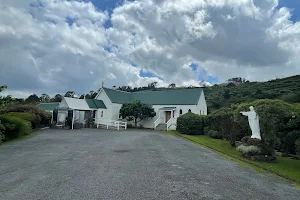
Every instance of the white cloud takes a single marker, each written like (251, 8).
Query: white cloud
(54, 45)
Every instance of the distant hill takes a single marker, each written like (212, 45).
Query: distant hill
(286, 89)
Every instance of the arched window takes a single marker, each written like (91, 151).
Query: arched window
(174, 114)
(101, 113)
(200, 112)
(120, 116)
(190, 110)
(180, 112)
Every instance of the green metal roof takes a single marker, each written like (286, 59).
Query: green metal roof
(117, 96)
(48, 106)
(187, 96)
(93, 103)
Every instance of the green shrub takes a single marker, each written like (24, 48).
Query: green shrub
(15, 127)
(249, 150)
(297, 143)
(288, 142)
(43, 118)
(245, 139)
(33, 119)
(215, 134)
(191, 124)
(222, 121)
(2, 129)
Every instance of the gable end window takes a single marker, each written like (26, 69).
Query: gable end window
(101, 113)
(190, 110)
(180, 112)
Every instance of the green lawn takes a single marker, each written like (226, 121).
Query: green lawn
(284, 166)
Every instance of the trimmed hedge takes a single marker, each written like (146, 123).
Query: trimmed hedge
(14, 127)
(42, 118)
(191, 124)
(32, 118)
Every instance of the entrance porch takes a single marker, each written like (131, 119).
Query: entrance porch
(165, 120)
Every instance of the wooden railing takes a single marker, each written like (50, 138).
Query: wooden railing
(109, 123)
(157, 122)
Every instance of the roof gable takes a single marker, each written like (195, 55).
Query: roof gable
(188, 96)
(77, 104)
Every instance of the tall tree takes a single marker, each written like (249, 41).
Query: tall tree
(32, 99)
(137, 111)
(70, 94)
(45, 98)
(3, 87)
(57, 98)
(172, 85)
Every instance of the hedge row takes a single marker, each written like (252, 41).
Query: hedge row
(39, 119)
(13, 127)
(191, 124)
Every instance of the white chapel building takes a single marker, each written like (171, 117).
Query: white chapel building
(168, 104)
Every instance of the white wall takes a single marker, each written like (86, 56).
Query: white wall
(63, 104)
(107, 113)
(202, 105)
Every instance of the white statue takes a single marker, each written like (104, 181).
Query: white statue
(253, 122)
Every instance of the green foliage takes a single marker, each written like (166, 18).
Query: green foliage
(137, 111)
(41, 118)
(273, 114)
(15, 127)
(288, 142)
(2, 129)
(32, 99)
(249, 150)
(297, 143)
(3, 87)
(34, 120)
(223, 122)
(191, 124)
(215, 134)
(286, 89)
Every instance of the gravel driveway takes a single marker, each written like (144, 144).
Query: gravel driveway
(133, 164)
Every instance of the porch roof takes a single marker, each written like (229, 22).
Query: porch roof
(167, 108)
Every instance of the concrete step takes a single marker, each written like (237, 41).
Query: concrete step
(161, 127)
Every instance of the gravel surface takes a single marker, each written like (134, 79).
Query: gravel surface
(134, 164)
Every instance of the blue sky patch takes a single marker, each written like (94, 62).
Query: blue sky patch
(294, 5)
(194, 67)
(148, 75)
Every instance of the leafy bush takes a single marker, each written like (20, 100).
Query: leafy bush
(33, 119)
(297, 143)
(249, 150)
(254, 141)
(2, 129)
(222, 121)
(288, 142)
(15, 127)
(215, 134)
(245, 139)
(191, 124)
(41, 116)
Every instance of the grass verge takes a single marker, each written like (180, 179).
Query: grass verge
(284, 168)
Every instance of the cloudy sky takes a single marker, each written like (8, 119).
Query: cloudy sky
(52, 46)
